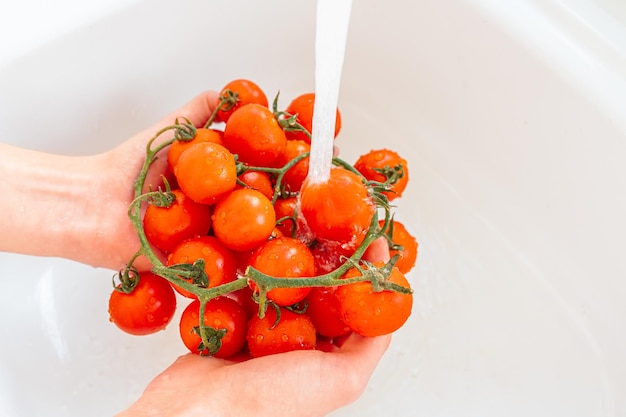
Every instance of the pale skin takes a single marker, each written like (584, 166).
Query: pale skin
(75, 208)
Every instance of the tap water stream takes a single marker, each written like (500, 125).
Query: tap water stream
(333, 17)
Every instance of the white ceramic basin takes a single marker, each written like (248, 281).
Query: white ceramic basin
(512, 116)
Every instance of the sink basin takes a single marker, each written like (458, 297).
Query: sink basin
(513, 120)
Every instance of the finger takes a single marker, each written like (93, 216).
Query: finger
(197, 111)
(372, 346)
(364, 352)
(378, 250)
(195, 363)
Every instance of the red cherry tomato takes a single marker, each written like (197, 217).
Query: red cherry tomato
(284, 257)
(285, 207)
(178, 146)
(205, 171)
(340, 209)
(295, 176)
(329, 254)
(245, 298)
(253, 133)
(247, 92)
(268, 336)
(220, 263)
(371, 313)
(166, 227)
(147, 309)
(325, 312)
(223, 315)
(243, 219)
(303, 107)
(257, 180)
(401, 237)
(376, 165)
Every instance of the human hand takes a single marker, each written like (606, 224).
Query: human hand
(297, 383)
(123, 164)
(76, 207)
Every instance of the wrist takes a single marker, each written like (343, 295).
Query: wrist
(52, 204)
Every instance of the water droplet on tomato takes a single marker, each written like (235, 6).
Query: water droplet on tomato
(150, 318)
(152, 300)
(259, 338)
(284, 337)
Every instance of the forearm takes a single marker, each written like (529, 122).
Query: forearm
(52, 204)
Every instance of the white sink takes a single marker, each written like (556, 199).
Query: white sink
(512, 116)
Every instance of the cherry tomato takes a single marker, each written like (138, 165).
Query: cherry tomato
(205, 171)
(166, 227)
(371, 313)
(303, 107)
(330, 254)
(147, 309)
(178, 146)
(247, 92)
(377, 164)
(285, 207)
(284, 257)
(258, 180)
(253, 133)
(402, 237)
(243, 219)
(220, 263)
(292, 332)
(221, 313)
(295, 176)
(324, 310)
(340, 209)
(245, 298)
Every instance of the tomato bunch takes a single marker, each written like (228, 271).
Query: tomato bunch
(268, 261)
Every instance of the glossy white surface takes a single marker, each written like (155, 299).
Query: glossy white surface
(512, 116)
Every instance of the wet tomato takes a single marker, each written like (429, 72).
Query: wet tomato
(148, 308)
(379, 165)
(340, 209)
(205, 171)
(371, 313)
(324, 310)
(295, 176)
(253, 133)
(228, 327)
(303, 107)
(257, 180)
(243, 219)
(220, 263)
(269, 336)
(285, 209)
(166, 227)
(286, 258)
(247, 92)
(178, 146)
(404, 244)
